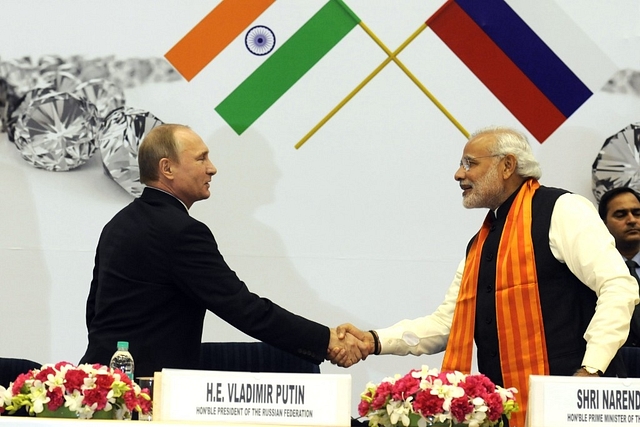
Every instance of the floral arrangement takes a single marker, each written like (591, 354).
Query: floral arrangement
(84, 390)
(431, 398)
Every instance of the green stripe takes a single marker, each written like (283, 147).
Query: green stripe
(287, 65)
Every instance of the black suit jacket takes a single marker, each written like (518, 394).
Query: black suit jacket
(157, 270)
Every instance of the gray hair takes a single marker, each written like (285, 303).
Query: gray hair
(510, 141)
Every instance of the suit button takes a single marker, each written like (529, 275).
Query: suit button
(488, 320)
(489, 257)
(489, 288)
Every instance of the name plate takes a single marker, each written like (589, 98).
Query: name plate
(255, 398)
(583, 401)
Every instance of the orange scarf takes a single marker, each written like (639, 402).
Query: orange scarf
(523, 349)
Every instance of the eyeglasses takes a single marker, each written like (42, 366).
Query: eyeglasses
(466, 162)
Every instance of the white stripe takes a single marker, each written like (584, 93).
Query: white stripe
(572, 45)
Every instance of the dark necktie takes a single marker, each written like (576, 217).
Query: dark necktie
(634, 333)
(632, 268)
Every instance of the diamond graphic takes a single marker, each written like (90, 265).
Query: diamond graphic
(105, 95)
(56, 132)
(618, 162)
(118, 139)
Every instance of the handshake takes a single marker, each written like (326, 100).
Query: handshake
(348, 345)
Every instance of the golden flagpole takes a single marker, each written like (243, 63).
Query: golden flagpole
(392, 56)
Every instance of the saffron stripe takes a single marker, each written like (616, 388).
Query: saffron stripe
(496, 70)
(287, 65)
(530, 53)
(214, 33)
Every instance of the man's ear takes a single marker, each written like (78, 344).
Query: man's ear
(165, 168)
(510, 164)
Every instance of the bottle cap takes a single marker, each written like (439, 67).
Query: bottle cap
(124, 345)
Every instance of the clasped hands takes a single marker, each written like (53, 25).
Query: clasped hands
(348, 345)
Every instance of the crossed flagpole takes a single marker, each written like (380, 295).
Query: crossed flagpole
(391, 56)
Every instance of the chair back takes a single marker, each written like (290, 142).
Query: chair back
(631, 358)
(10, 368)
(252, 357)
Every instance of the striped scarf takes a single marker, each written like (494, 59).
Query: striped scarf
(523, 349)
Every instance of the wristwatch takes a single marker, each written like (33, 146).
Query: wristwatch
(592, 371)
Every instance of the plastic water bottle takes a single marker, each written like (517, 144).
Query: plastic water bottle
(123, 360)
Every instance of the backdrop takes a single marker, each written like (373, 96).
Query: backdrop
(363, 222)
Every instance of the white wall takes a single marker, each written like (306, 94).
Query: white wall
(362, 224)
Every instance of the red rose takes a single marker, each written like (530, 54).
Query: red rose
(104, 381)
(130, 399)
(74, 379)
(56, 398)
(59, 365)
(145, 401)
(19, 382)
(42, 375)
(97, 396)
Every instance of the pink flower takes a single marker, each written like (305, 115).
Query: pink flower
(460, 407)
(477, 385)
(363, 408)
(382, 395)
(405, 387)
(494, 402)
(19, 382)
(428, 404)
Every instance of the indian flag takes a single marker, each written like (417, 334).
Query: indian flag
(313, 40)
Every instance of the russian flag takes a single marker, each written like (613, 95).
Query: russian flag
(512, 61)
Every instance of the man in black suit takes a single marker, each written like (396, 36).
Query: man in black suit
(157, 270)
(619, 208)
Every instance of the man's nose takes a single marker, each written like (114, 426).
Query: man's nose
(212, 169)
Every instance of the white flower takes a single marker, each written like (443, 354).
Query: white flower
(506, 393)
(424, 372)
(399, 411)
(86, 412)
(38, 395)
(446, 391)
(476, 418)
(5, 396)
(455, 377)
(74, 401)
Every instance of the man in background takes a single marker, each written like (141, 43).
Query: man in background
(619, 208)
(542, 289)
(157, 270)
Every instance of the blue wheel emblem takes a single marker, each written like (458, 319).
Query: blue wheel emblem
(260, 40)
